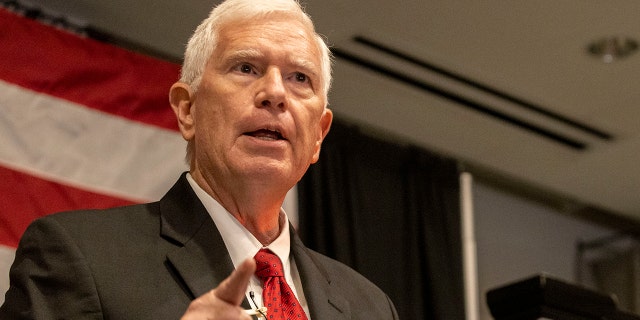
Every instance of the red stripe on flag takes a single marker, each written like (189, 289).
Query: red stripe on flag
(86, 71)
(25, 198)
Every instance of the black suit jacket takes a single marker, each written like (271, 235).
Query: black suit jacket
(149, 261)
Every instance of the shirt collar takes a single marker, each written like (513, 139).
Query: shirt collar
(240, 243)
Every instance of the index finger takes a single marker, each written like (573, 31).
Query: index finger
(234, 287)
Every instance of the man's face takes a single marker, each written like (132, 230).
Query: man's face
(259, 112)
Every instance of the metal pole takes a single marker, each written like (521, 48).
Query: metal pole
(469, 253)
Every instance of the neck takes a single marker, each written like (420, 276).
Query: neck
(255, 206)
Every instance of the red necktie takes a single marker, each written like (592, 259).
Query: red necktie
(277, 296)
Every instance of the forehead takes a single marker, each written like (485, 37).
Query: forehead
(268, 35)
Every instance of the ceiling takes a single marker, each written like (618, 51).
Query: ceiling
(507, 87)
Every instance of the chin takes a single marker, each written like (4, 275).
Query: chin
(263, 169)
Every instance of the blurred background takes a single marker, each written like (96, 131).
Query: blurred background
(538, 101)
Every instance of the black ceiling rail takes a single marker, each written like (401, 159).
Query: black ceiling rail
(422, 85)
(500, 94)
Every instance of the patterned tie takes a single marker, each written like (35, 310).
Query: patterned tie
(277, 296)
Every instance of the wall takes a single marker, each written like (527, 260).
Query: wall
(518, 238)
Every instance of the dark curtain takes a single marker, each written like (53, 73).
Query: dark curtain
(392, 213)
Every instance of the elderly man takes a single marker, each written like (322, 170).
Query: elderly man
(252, 105)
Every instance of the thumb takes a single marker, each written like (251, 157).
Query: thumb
(234, 287)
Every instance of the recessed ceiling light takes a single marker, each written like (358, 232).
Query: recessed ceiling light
(613, 48)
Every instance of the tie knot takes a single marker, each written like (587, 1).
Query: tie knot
(268, 265)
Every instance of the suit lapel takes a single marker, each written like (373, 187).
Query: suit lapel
(324, 301)
(202, 260)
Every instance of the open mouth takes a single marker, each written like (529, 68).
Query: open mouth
(266, 134)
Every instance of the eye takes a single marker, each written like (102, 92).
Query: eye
(301, 77)
(245, 68)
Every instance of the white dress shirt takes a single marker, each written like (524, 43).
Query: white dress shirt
(241, 245)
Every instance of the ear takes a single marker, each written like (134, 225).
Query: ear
(325, 125)
(181, 99)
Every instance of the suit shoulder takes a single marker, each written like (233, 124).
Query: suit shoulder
(123, 214)
(96, 223)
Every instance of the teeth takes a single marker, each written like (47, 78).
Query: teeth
(266, 137)
(267, 134)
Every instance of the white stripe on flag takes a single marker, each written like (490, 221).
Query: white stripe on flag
(75, 145)
(7, 255)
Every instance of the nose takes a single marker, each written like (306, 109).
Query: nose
(272, 92)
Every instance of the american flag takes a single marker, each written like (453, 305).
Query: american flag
(83, 124)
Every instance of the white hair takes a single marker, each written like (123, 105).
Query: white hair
(204, 40)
